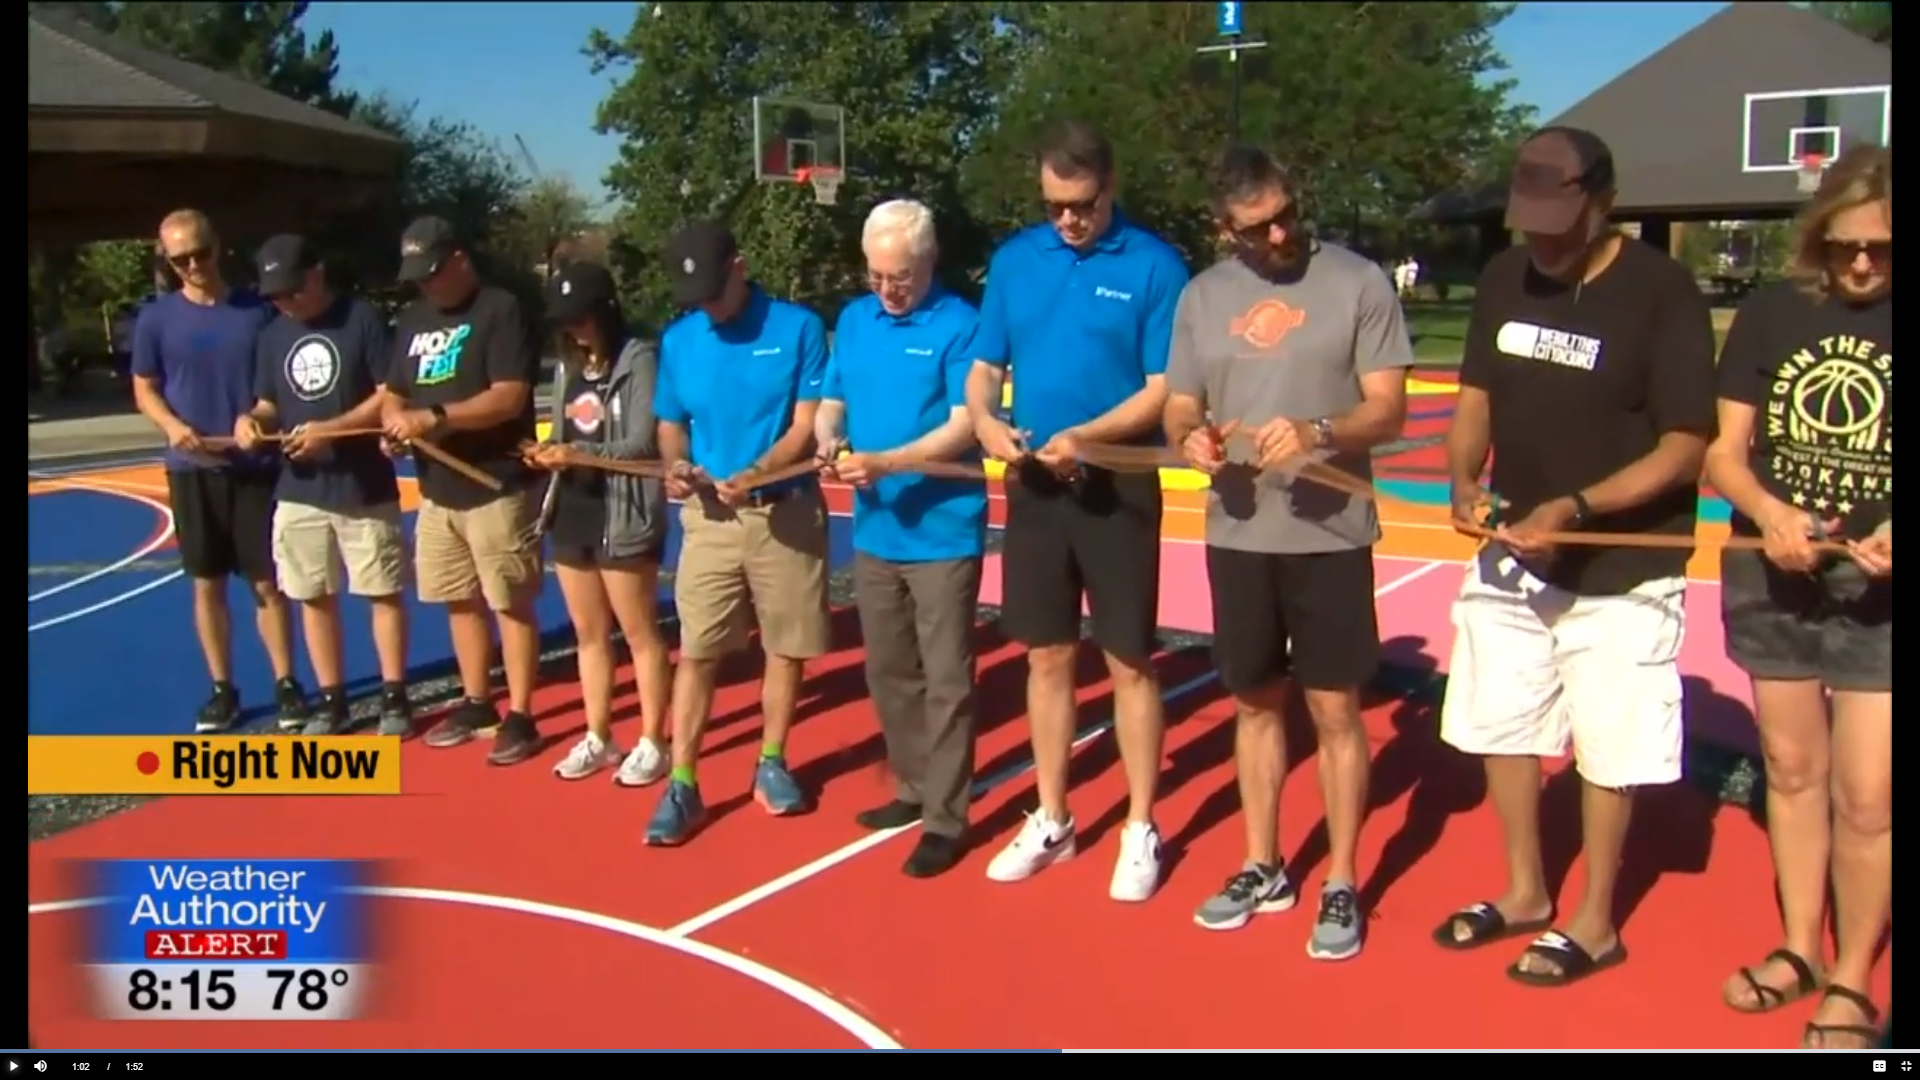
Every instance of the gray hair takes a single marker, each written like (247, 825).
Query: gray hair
(903, 221)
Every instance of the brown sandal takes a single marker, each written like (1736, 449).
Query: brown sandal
(1816, 1035)
(1768, 998)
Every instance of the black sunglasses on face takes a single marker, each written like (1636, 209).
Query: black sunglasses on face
(197, 256)
(1845, 252)
(1080, 208)
(1258, 233)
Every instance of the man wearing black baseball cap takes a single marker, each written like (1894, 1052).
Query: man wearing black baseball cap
(741, 379)
(337, 503)
(464, 362)
(1588, 376)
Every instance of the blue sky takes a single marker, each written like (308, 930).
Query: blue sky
(516, 68)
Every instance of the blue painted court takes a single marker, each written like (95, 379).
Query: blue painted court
(110, 642)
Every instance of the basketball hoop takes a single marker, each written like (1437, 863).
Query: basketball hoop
(825, 183)
(1812, 168)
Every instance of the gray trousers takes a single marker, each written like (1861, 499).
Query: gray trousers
(917, 620)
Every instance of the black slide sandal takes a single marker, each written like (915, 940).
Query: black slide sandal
(1575, 963)
(1868, 1033)
(1484, 925)
(1768, 998)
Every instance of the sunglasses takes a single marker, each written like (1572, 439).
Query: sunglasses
(199, 256)
(1845, 252)
(1259, 232)
(1080, 208)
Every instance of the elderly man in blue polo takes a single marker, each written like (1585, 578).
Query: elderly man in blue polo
(896, 397)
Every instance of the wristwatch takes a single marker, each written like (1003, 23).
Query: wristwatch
(1322, 431)
(1581, 511)
(439, 415)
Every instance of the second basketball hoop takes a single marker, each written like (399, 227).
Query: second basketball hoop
(1812, 168)
(824, 181)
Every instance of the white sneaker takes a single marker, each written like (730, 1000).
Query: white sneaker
(1137, 874)
(1040, 844)
(587, 757)
(646, 765)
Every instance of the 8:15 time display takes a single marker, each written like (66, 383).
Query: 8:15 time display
(280, 991)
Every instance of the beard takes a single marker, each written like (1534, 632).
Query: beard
(1279, 265)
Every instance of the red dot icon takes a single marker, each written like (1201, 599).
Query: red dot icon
(148, 763)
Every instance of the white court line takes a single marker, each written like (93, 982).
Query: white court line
(810, 998)
(873, 840)
(126, 490)
(159, 541)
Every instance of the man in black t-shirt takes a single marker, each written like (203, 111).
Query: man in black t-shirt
(464, 362)
(1588, 376)
(317, 375)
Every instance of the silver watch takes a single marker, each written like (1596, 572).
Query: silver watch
(1322, 431)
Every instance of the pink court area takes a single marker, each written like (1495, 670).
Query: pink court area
(1415, 598)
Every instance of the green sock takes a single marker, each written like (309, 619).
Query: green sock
(772, 751)
(683, 774)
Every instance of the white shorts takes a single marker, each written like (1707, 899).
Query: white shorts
(1537, 671)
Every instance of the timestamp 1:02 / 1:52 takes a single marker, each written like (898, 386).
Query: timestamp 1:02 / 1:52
(241, 992)
(108, 1066)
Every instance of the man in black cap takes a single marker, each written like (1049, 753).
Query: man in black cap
(337, 503)
(741, 378)
(464, 361)
(1589, 377)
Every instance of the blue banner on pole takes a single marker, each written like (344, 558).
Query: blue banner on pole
(233, 911)
(1230, 18)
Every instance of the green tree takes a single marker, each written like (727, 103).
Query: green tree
(1375, 107)
(1871, 19)
(452, 171)
(549, 213)
(919, 82)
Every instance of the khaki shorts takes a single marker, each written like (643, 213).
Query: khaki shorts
(770, 561)
(490, 552)
(314, 549)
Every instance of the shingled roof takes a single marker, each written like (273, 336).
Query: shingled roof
(1676, 120)
(75, 72)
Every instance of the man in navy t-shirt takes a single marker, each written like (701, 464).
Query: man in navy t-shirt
(193, 354)
(318, 380)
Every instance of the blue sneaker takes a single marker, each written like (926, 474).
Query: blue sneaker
(679, 815)
(775, 788)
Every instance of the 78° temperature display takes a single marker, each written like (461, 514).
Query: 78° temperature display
(246, 939)
(240, 992)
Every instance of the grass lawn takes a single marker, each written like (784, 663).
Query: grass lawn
(1439, 328)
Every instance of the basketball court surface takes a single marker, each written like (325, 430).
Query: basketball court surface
(524, 912)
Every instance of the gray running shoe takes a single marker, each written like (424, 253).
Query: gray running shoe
(1338, 932)
(1255, 890)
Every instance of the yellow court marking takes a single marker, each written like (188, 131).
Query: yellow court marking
(1428, 388)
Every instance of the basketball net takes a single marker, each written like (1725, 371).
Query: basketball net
(825, 183)
(1812, 168)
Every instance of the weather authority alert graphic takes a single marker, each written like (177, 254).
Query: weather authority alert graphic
(202, 939)
(150, 765)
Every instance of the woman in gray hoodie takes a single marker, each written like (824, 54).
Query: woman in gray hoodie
(607, 530)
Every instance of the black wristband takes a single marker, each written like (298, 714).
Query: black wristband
(1581, 510)
(439, 413)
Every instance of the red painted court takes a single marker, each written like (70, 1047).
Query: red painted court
(527, 913)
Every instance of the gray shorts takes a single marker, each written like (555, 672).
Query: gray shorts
(1834, 626)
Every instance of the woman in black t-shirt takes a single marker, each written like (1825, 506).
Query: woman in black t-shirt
(1805, 450)
(607, 530)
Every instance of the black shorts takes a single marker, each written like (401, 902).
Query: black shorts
(1309, 616)
(223, 522)
(1835, 626)
(1097, 538)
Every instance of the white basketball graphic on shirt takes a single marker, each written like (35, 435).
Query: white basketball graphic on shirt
(1839, 398)
(313, 367)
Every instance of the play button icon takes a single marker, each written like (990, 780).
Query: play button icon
(13, 1066)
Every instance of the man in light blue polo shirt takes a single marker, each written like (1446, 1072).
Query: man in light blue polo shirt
(896, 396)
(740, 381)
(1082, 307)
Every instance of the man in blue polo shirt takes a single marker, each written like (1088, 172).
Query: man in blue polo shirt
(1082, 307)
(740, 381)
(896, 396)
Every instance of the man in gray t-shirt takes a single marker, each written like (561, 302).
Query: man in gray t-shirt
(1289, 352)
